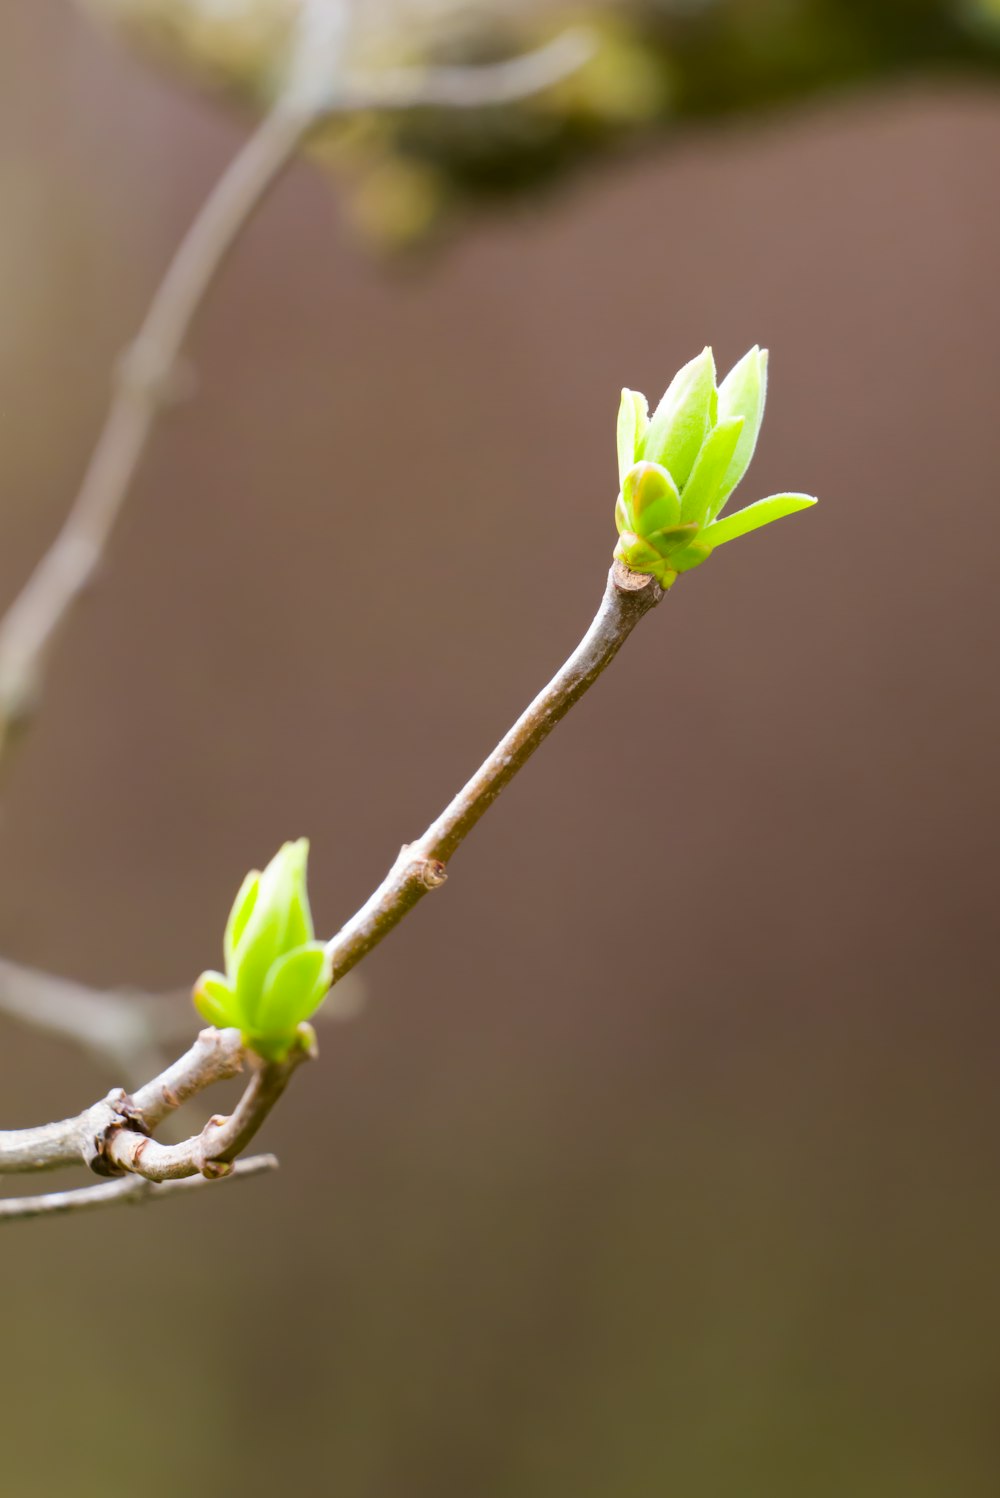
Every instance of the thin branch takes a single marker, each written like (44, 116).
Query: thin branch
(144, 379)
(470, 87)
(147, 373)
(128, 1191)
(120, 1029)
(421, 866)
(212, 1152)
(114, 1135)
(215, 1055)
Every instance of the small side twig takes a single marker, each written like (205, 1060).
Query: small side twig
(421, 866)
(122, 1030)
(214, 1056)
(477, 87)
(210, 1153)
(128, 1191)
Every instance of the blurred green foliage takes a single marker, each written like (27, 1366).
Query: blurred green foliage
(657, 64)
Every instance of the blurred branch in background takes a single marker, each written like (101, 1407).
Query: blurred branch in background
(315, 86)
(657, 65)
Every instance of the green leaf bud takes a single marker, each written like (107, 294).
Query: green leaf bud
(214, 1000)
(677, 471)
(276, 974)
(650, 497)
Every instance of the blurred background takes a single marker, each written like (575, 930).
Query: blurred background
(664, 1156)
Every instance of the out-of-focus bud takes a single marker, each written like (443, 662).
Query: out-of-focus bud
(276, 974)
(677, 470)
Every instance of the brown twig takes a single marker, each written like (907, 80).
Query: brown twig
(421, 866)
(114, 1135)
(214, 1056)
(127, 1191)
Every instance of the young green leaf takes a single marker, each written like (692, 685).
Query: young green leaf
(681, 420)
(633, 419)
(215, 1001)
(651, 498)
(710, 469)
(240, 914)
(294, 990)
(742, 393)
(741, 522)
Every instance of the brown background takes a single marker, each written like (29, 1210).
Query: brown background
(664, 1159)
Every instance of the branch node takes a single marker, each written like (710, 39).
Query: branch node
(216, 1170)
(430, 872)
(627, 581)
(123, 1115)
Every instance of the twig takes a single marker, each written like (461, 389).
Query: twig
(113, 1136)
(116, 1028)
(128, 1191)
(421, 866)
(212, 1152)
(147, 372)
(143, 382)
(470, 87)
(215, 1055)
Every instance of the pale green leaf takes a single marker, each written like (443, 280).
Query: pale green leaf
(775, 507)
(710, 469)
(240, 914)
(681, 420)
(294, 989)
(742, 393)
(215, 1001)
(632, 422)
(651, 498)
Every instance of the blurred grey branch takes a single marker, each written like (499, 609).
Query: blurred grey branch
(471, 87)
(147, 373)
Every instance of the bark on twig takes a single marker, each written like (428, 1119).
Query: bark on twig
(422, 865)
(128, 1191)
